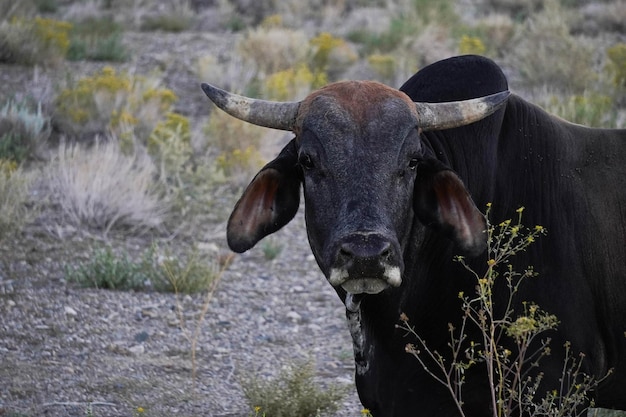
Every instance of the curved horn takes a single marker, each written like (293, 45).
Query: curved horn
(273, 114)
(439, 116)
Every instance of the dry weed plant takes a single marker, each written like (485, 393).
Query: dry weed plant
(100, 187)
(514, 389)
(176, 276)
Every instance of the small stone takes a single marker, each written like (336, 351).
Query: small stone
(70, 311)
(149, 312)
(137, 349)
(293, 316)
(142, 337)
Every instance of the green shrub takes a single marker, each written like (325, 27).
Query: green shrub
(22, 131)
(107, 270)
(293, 393)
(152, 270)
(47, 6)
(271, 249)
(97, 39)
(177, 17)
(386, 41)
(187, 274)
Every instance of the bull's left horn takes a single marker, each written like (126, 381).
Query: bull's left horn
(273, 114)
(439, 116)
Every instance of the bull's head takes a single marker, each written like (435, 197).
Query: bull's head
(358, 154)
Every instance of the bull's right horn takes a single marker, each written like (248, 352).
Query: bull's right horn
(272, 114)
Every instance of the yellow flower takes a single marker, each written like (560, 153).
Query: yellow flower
(366, 412)
(519, 210)
(140, 410)
(491, 262)
(257, 409)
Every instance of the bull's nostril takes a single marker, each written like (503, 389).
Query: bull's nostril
(345, 252)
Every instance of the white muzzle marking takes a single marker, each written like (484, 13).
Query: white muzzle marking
(366, 285)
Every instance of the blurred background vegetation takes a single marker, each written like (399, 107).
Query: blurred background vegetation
(91, 83)
(96, 92)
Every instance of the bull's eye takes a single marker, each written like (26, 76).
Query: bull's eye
(305, 161)
(413, 163)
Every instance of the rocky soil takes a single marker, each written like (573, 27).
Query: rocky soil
(68, 351)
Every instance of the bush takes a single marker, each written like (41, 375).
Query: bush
(293, 83)
(170, 142)
(237, 143)
(107, 270)
(99, 187)
(177, 18)
(293, 393)
(547, 54)
(471, 45)
(128, 106)
(272, 49)
(97, 39)
(22, 132)
(35, 41)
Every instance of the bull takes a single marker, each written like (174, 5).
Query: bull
(392, 183)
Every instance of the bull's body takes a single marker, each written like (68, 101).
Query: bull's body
(571, 179)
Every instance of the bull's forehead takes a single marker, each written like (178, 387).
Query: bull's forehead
(357, 105)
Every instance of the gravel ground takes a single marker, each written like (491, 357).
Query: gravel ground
(64, 347)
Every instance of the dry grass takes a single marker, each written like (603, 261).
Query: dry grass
(14, 188)
(100, 187)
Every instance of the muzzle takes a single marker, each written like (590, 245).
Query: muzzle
(366, 263)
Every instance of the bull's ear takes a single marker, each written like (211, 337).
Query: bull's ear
(441, 201)
(270, 202)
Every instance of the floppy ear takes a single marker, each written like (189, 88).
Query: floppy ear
(268, 203)
(441, 201)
